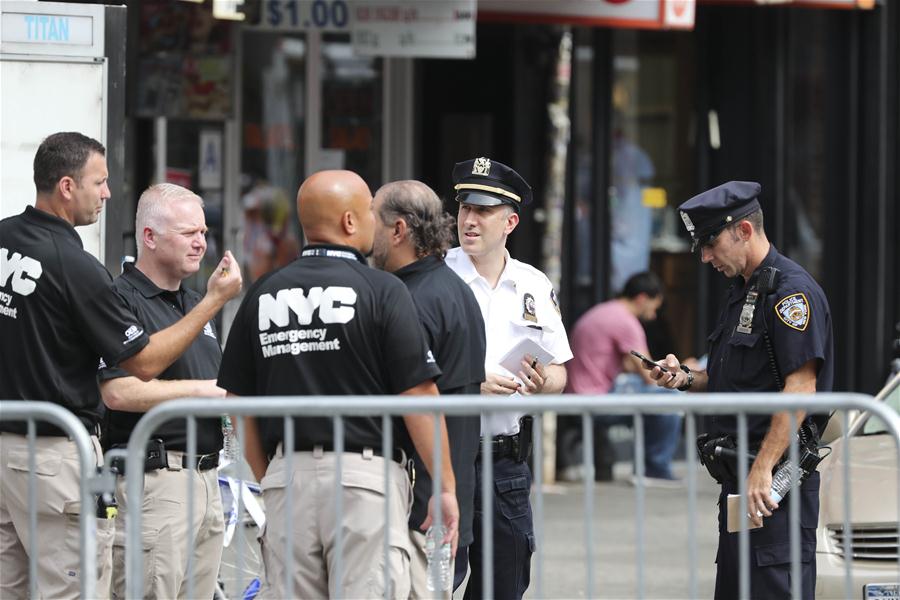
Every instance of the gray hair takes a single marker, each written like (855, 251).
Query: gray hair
(153, 205)
(430, 228)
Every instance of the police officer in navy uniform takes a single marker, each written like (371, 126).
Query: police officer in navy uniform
(59, 314)
(412, 235)
(774, 333)
(517, 302)
(328, 324)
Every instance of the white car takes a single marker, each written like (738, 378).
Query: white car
(873, 509)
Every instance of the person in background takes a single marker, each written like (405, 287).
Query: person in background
(602, 342)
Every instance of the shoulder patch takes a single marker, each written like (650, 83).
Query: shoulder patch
(555, 300)
(794, 311)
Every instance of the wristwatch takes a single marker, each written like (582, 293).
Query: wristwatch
(690, 380)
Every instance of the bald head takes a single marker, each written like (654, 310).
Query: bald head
(335, 207)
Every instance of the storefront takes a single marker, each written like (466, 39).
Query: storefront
(613, 121)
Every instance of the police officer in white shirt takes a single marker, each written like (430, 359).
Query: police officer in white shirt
(517, 301)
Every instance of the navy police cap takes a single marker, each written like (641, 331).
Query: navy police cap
(486, 182)
(708, 213)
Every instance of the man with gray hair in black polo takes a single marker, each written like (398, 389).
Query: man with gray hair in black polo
(412, 235)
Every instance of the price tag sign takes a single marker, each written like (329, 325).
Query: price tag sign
(414, 28)
(301, 15)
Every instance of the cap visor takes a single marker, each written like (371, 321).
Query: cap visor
(479, 199)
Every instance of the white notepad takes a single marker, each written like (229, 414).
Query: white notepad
(512, 360)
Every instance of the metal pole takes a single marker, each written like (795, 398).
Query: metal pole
(32, 512)
(487, 511)
(640, 493)
(587, 435)
(690, 433)
(338, 575)
(287, 452)
(191, 460)
(848, 527)
(539, 505)
(794, 508)
(386, 451)
(743, 531)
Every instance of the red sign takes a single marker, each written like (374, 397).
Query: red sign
(641, 14)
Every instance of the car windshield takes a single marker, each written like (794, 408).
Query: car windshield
(875, 425)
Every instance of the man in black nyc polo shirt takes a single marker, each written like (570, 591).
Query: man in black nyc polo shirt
(327, 324)
(412, 235)
(59, 315)
(171, 240)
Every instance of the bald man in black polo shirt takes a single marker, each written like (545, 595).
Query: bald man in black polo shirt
(170, 229)
(327, 324)
(412, 235)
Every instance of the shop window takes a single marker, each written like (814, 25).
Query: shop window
(804, 209)
(272, 150)
(351, 110)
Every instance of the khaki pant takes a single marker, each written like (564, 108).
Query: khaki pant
(418, 566)
(313, 534)
(164, 532)
(58, 508)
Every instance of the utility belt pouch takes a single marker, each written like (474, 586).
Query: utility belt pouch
(526, 425)
(155, 459)
(156, 456)
(717, 455)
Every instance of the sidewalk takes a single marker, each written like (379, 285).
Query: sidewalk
(666, 550)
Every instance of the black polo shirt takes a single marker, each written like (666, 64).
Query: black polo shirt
(798, 320)
(58, 314)
(454, 329)
(158, 309)
(326, 324)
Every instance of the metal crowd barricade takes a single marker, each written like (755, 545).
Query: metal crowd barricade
(631, 404)
(91, 484)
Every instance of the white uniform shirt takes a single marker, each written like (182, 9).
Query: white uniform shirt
(522, 305)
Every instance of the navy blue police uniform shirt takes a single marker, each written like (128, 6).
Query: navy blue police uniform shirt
(58, 314)
(326, 324)
(158, 309)
(454, 329)
(798, 319)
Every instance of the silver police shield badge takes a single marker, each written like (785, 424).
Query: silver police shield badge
(482, 166)
(689, 225)
(794, 311)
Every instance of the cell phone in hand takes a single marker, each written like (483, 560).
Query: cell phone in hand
(649, 364)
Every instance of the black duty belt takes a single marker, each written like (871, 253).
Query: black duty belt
(396, 454)
(157, 458)
(504, 446)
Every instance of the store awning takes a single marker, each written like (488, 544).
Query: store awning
(641, 14)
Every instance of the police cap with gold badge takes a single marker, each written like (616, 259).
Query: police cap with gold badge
(486, 182)
(708, 213)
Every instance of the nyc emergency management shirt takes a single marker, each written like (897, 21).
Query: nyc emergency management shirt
(326, 324)
(523, 305)
(58, 315)
(157, 310)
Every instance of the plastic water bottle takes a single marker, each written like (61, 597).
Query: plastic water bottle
(781, 481)
(231, 448)
(439, 575)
